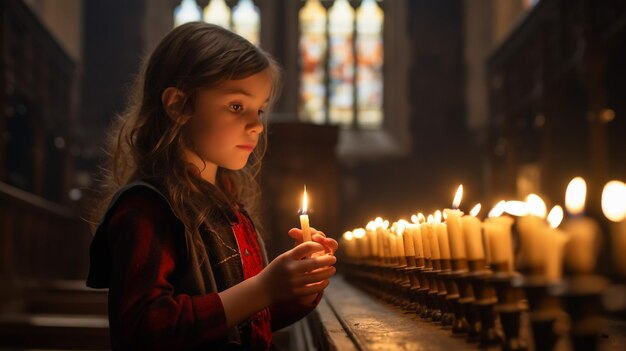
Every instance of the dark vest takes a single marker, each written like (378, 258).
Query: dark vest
(218, 268)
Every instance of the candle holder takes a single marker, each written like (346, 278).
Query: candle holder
(411, 289)
(427, 308)
(582, 299)
(458, 283)
(433, 293)
(509, 307)
(543, 310)
(467, 301)
(486, 299)
(446, 298)
(416, 282)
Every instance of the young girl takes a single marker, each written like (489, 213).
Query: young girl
(175, 241)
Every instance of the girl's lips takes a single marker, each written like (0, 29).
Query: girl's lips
(246, 147)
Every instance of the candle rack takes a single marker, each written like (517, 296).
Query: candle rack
(458, 283)
(486, 299)
(509, 307)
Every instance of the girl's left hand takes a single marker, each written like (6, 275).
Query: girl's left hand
(330, 244)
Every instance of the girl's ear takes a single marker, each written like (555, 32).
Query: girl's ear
(173, 102)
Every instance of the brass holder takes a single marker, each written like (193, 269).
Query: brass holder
(486, 299)
(582, 299)
(417, 302)
(423, 292)
(509, 307)
(467, 299)
(445, 277)
(458, 282)
(543, 310)
(433, 293)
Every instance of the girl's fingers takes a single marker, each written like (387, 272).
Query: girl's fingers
(306, 249)
(329, 243)
(311, 264)
(315, 276)
(295, 233)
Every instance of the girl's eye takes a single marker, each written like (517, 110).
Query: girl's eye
(236, 107)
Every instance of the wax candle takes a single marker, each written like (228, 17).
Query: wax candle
(425, 241)
(416, 232)
(532, 227)
(363, 245)
(614, 208)
(472, 232)
(432, 240)
(304, 218)
(581, 249)
(371, 234)
(454, 226)
(348, 241)
(498, 233)
(406, 232)
(555, 240)
(399, 242)
(442, 237)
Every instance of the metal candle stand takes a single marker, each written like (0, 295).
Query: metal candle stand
(458, 283)
(509, 308)
(433, 293)
(427, 307)
(467, 299)
(581, 297)
(446, 276)
(485, 300)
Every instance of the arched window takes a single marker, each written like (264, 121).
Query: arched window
(341, 57)
(243, 19)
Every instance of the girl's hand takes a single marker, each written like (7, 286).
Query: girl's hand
(330, 244)
(295, 274)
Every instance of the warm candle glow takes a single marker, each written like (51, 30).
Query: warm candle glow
(536, 206)
(457, 197)
(438, 216)
(555, 216)
(305, 201)
(385, 224)
(497, 210)
(516, 208)
(358, 233)
(614, 201)
(431, 219)
(348, 235)
(415, 219)
(401, 226)
(421, 218)
(378, 221)
(575, 196)
(370, 225)
(475, 210)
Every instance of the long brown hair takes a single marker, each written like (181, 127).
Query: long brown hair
(144, 142)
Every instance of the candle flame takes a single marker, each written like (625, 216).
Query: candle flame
(536, 205)
(555, 216)
(457, 197)
(614, 201)
(431, 219)
(415, 219)
(358, 233)
(474, 211)
(385, 224)
(437, 216)
(370, 225)
(378, 221)
(445, 216)
(421, 218)
(575, 196)
(497, 210)
(516, 208)
(305, 201)
(401, 226)
(348, 235)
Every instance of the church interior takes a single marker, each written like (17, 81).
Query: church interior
(441, 143)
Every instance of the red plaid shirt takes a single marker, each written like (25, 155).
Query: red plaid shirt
(145, 309)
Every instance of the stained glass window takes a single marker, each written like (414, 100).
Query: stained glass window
(313, 49)
(341, 52)
(244, 19)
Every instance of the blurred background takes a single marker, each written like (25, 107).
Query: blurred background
(387, 106)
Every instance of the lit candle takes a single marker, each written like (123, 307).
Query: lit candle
(555, 240)
(442, 237)
(454, 226)
(304, 219)
(425, 241)
(532, 227)
(498, 234)
(406, 233)
(348, 241)
(416, 232)
(472, 233)
(614, 208)
(581, 249)
(432, 239)
(371, 233)
(361, 237)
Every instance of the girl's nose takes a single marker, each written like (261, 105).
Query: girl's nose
(255, 126)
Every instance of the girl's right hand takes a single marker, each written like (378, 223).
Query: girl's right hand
(295, 273)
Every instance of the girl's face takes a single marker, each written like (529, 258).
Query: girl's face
(226, 124)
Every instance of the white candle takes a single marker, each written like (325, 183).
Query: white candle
(472, 232)
(406, 232)
(581, 249)
(614, 208)
(425, 241)
(304, 219)
(532, 227)
(417, 240)
(455, 233)
(555, 240)
(442, 238)
(498, 234)
(434, 243)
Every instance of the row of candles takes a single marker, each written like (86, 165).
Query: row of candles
(456, 269)
(545, 244)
